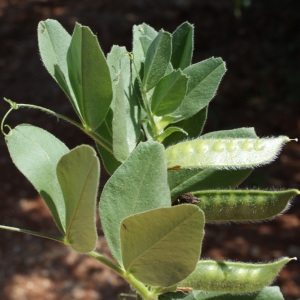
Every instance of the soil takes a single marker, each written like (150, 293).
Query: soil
(260, 89)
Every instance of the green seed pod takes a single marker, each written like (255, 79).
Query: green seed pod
(243, 205)
(233, 277)
(224, 153)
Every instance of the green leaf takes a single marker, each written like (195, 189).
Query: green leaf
(267, 293)
(89, 76)
(105, 132)
(162, 246)
(126, 125)
(233, 277)
(143, 35)
(182, 46)
(36, 153)
(109, 161)
(204, 78)
(243, 132)
(192, 126)
(138, 185)
(54, 42)
(78, 174)
(243, 205)
(157, 60)
(225, 153)
(169, 93)
(168, 132)
(191, 180)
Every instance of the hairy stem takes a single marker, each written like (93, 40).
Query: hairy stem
(96, 137)
(137, 285)
(35, 233)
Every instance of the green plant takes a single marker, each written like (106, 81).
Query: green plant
(145, 110)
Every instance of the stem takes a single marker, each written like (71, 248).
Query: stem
(149, 114)
(35, 233)
(96, 137)
(154, 128)
(139, 287)
(107, 262)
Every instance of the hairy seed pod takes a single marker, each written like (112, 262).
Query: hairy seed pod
(243, 205)
(233, 277)
(224, 153)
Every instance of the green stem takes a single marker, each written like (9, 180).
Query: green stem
(35, 233)
(96, 137)
(107, 262)
(138, 286)
(154, 129)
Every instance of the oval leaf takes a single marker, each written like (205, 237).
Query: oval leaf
(126, 110)
(233, 277)
(104, 131)
(78, 173)
(162, 246)
(225, 153)
(243, 205)
(192, 126)
(182, 46)
(143, 35)
(36, 153)
(192, 180)
(54, 42)
(204, 79)
(168, 93)
(157, 60)
(138, 185)
(89, 76)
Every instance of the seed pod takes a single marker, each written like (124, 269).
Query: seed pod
(243, 205)
(233, 277)
(224, 153)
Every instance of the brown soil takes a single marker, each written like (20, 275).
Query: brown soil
(262, 51)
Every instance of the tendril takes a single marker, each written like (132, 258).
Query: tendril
(13, 106)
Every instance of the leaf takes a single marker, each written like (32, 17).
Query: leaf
(54, 42)
(243, 132)
(191, 180)
(233, 277)
(126, 110)
(36, 152)
(225, 153)
(157, 60)
(78, 174)
(105, 131)
(267, 293)
(138, 185)
(182, 46)
(169, 93)
(143, 35)
(162, 246)
(243, 205)
(204, 78)
(169, 131)
(89, 76)
(193, 126)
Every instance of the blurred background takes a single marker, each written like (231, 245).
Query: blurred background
(260, 42)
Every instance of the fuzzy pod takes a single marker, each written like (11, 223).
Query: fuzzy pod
(233, 277)
(227, 153)
(243, 205)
